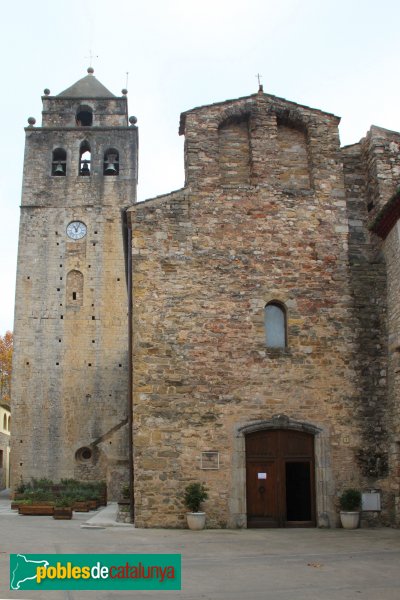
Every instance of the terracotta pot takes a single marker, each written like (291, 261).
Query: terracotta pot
(196, 521)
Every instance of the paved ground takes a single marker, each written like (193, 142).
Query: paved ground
(308, 564)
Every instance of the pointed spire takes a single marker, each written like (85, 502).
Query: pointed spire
(87, 87)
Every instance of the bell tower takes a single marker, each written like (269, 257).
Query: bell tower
(70, 380)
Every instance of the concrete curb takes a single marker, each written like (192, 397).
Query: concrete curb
(106, 517)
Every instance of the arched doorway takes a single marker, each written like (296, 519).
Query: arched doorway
(280, 486)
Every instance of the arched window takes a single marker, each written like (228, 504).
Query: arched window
(275, 325)
(5, 422)
(9, 424)
(74, 288)
(111, 162)
(59, 162)
(85, 159)
(84, 116)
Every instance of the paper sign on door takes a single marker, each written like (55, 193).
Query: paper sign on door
(261, 476)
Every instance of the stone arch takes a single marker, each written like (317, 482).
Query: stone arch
(326, 515)
(232, 113)
(292, 118)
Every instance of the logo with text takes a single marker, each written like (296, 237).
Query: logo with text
(95, 572)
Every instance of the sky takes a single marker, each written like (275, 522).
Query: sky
(340, 56)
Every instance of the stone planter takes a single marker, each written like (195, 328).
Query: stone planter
(36, 510)
(349, 519)
(196, 521)
(62, 512)
(124, 511)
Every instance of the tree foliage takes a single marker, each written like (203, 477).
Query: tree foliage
(6, 350)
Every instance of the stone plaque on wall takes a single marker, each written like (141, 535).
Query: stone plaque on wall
(210, 460)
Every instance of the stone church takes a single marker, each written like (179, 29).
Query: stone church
(243, 331)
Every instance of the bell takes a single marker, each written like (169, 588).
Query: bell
(110, 169)
(85, 168)
(59, 170)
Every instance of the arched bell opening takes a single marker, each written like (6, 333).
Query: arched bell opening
(85, 159)
(84, 116)
(59, 163)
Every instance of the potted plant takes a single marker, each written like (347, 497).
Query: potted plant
(63, 508)
(350, 502)
(195, 494)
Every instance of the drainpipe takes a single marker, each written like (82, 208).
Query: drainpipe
(130, 366)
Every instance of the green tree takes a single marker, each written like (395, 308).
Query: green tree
(6, 351)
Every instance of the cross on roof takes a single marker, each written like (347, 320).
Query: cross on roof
(260, 87)
(91, 57)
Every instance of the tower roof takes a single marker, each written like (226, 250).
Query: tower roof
(87, 87)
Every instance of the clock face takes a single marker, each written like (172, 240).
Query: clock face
(76, 230)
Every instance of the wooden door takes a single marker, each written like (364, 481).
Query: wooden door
(280, 479)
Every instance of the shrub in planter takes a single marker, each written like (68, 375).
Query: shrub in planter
(350, 502)
(195, 494)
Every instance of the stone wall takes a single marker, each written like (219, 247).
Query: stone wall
(392, 254)
(368, 289)
(234, 152)
(381, 150)
(206, 261)
(381, 154)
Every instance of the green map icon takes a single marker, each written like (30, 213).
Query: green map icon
(24, 569)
